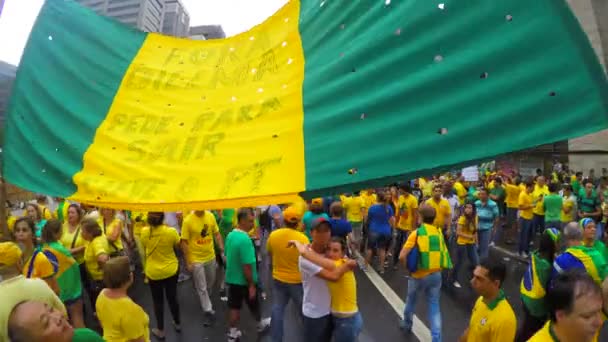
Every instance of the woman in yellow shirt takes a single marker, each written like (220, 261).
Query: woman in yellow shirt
(159, 242)
(95, 255)
(112, 229)
(122, 320)
(466, 241)
(346, 317)
(35, 263)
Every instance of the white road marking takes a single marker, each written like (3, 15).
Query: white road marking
(418, 328)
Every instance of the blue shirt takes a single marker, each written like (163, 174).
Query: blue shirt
(487, 214)
(309, 220)
(340, 227)
(378, 218)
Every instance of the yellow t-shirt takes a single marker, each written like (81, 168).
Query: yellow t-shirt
(109, 229)
(42, 268)
(353, 206)
(537, 198)
(406, 208)
(159, 244)
(284, 259)
(568, 204)
(545, 335)
(461, 192)
(368, 200)
(200, 248)
(95, 248)
(494, 321)
(45, 212)
(467, 229)
(10, 221)
(442, 209)
(526, 200)
(139, 221)
(343, 292)
(512, 197)
(121, 319)
(67, 238)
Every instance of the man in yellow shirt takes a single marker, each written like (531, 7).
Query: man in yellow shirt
(512, 190)
(355, 210)
(197, 241)
(286, 277)
(442, 208)
(526, 215)
(433, 257)
(492, 318)
(460, 190)
(574, 302)
(407, 213)
(540, 191)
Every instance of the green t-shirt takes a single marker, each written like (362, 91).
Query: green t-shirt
(239, 251)
(86, 335)
(601, 247)
(576, 186)
(227, 222)
(553, 207)
(500, 192)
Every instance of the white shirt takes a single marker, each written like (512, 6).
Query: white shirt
(316, 302)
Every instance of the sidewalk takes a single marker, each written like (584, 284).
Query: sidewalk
(510, 251)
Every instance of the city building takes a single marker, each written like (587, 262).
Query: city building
(205, 32)
(591, 151)
(146, 15)
(7, 76)
(176, 20)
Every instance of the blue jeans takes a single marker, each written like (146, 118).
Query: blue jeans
(281, 294)
(347, 329)
(538, 225)
(318, 329)
(399, 242)
(461, 250)
(431, 286)
(525, 226)
(483, 238)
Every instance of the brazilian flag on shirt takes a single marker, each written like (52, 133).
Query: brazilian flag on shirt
(314, 100)
(68, 272)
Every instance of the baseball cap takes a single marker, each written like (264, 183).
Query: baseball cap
(291, 214)
(10, 253)
(317, 201)
(320, 222)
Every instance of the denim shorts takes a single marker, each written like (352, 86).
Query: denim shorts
(378, 241)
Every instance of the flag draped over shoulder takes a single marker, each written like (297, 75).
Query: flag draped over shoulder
(324, 96)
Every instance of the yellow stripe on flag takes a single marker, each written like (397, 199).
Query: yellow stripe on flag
(206, 121)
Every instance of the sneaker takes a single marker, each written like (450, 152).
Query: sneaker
(457, 285)
(208, 318)
(223, 296)
(524, 255)
(492, 244)
(264, 324)
(263, 295)
(234, 335)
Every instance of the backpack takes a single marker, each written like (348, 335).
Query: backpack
(265, 220)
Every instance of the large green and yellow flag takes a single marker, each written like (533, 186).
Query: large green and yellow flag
(322, 97)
